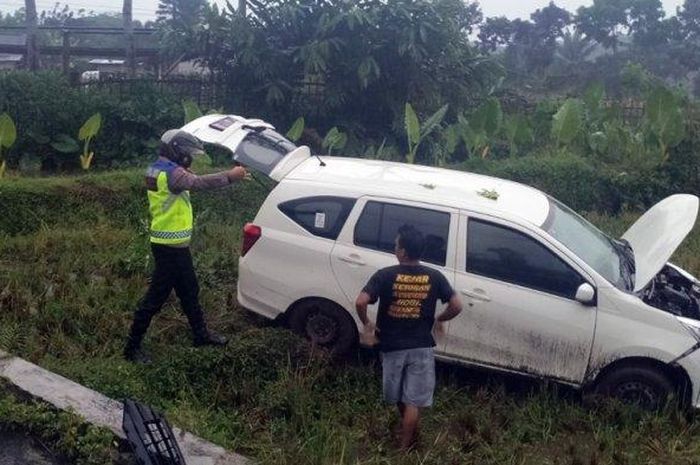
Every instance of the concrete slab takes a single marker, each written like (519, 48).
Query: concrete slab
(100, 410)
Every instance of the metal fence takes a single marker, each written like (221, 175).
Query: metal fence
(206, 93)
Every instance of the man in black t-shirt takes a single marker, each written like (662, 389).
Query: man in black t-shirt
(407, 294)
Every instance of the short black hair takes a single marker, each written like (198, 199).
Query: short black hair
(412, 241)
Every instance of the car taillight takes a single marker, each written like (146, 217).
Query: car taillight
(251, 234)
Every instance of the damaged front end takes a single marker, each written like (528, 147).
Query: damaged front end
(675, 291)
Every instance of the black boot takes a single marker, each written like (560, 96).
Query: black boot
(209, 338)
(137, 356)
(132, 349)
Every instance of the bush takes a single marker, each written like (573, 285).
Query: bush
(588, 185)
(572, 180)
(47, 108)
(30, 204)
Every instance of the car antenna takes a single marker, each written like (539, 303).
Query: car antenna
(320, 161)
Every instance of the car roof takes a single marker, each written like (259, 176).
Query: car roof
(450, 188)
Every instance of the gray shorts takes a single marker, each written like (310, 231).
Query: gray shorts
(409, 376)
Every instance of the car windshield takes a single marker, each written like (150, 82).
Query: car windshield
(610, 258)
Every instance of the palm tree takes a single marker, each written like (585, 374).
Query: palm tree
(574, 49)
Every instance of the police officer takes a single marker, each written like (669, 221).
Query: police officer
(168, 182)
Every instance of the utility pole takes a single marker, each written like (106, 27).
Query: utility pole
(129, 35)
(65, 53)
(32, 56)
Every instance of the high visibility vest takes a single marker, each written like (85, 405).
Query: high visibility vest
(171, 214)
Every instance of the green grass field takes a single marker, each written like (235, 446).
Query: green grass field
(74, 260)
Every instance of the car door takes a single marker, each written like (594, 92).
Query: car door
(519, 308)
(366, 243)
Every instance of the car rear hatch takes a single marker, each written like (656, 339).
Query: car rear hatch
(253, 143)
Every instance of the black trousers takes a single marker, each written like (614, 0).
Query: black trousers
(173, 270)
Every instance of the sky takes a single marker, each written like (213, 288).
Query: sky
(145, 9)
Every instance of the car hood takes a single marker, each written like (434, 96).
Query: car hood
(658, 233)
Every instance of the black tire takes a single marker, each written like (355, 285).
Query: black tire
(324, 324)
(646, 387)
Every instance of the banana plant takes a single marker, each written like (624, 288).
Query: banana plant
(334, 139)
(192, 110)
(86, 133)
(8, 135)
(518, 133)
(478, 130)
(665, 119)
(297, 129)
(567, 123)
(416, 133)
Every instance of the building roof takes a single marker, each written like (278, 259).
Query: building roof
(10, 57)
(104, 61)
(13, 39)
(451, 188)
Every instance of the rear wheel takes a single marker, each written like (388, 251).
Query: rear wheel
(646, 387)
(325, 324)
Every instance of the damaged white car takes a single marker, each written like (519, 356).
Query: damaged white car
(545, 292)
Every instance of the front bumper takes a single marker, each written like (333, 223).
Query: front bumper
(691, 364)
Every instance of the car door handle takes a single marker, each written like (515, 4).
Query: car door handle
(353, 260)
(476, 295)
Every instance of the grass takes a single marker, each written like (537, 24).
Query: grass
(68, 287)
(64, 434)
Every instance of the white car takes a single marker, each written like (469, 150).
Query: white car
(545, 293)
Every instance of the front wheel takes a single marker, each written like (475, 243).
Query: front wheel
(325, 324)
(645, 387)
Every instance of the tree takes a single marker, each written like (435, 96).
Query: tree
(349, 63)
(16, 18)
(645, 21)
(530, 44)
(495, 32)
(604, 21)
(180, 23)
(689, 20)
(550, 23)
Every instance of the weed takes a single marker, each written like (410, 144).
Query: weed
(69, 285)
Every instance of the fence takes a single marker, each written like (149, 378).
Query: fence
(206, 93)
(67, 42)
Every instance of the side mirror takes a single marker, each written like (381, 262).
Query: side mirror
(585, 294)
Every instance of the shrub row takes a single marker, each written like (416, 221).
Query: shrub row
(586, 185)
(29, 204)
(46, 107)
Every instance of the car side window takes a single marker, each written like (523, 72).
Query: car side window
(379, 223)
(322, 216)
(508, 255)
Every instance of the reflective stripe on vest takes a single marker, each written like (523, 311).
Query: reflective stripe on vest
(171, 214)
